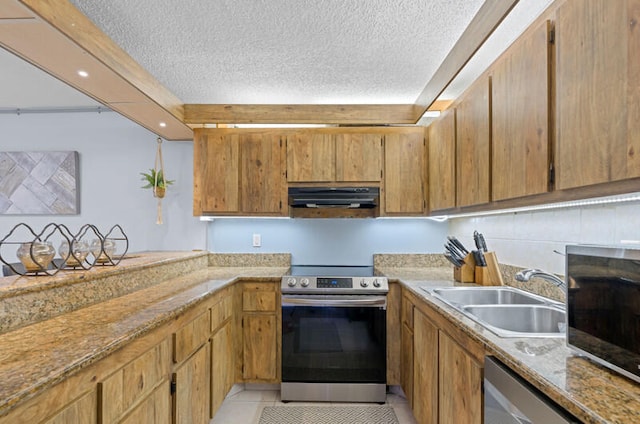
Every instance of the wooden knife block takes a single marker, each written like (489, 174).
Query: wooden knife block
(484, 275)
(489, 275)
(466, 272)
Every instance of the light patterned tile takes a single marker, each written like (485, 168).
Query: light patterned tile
(239, 412)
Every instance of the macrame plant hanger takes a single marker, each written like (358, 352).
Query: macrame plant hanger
(159, 192)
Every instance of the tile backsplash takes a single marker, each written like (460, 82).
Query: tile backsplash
(531, 239)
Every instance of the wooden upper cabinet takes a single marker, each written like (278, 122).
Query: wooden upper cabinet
(405, 173)
(598, 92)
(329, 156)
(520, 117)
(473, 145)
(358, 157)
(239, 173)
(311, 157)
(216, 173)
(263, 189)
(442, 162)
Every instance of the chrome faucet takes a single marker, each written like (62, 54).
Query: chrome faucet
(527, 274)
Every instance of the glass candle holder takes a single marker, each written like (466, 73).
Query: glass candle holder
(36, 256)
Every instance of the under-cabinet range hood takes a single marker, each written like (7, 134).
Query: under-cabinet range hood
(353, 202)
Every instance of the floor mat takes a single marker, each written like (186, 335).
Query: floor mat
(365, 414)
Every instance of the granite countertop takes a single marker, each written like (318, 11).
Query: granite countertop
(74, 340)
(592, 393)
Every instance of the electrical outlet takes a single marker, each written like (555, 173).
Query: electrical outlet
(257, 240)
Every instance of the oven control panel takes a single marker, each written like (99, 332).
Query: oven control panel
(291, 284)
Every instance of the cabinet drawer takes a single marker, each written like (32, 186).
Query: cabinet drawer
(133, 382)
(220, 312)
(259, 297)
(190, 337)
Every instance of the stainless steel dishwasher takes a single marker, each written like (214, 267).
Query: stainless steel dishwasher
(509, 399)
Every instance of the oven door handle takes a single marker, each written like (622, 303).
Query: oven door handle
(371, 301)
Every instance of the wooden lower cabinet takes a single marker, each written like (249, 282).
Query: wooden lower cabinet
(447, 369)
(460, 384)
(156, 408)
(222, 365)
(259, 347)
(192, 381)
(406, 370)
(83, 410)
(425, 370)
(259, 328)
(406, 349)
(134, 384)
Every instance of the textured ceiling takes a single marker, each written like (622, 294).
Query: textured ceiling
(286, 51)
(354, 60)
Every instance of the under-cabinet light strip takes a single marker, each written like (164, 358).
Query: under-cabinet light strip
(625, 198)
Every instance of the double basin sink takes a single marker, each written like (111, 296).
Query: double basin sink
(506, 311)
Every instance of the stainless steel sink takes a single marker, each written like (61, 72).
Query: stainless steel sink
(520, 320)
(506, 311)
(488, 296)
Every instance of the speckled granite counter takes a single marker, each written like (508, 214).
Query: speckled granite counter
(37, 356)
(590, 392)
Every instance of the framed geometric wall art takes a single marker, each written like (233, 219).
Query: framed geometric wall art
(39, 183)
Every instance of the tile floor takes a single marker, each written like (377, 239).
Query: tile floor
(244, 405)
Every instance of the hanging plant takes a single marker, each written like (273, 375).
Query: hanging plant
(156, 180)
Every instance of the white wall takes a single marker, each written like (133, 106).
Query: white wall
(528, 239)
(328, 241)
(113, 151)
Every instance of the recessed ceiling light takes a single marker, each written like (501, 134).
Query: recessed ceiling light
(83, 73)
(163, 124)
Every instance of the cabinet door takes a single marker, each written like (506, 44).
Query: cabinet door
(406, 368)
(263, 185)
(155, 409)
(596, 54)
(134, 382)
(83, 410)
(520, 118)
(472, 145)
(222, 366)
(259, 353)
(358, 157)
(216, 173)
(191, 336)
(404, 173)
(425, 371)
(192, 397)
(311, 157)
(442, 162)
(394, 335)
(460, 382)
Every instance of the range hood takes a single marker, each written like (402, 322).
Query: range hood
(334, 197)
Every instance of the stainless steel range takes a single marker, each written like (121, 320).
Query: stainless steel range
(334, 334)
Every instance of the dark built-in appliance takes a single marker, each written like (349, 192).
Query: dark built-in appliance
(334, 334)
(603, 305)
